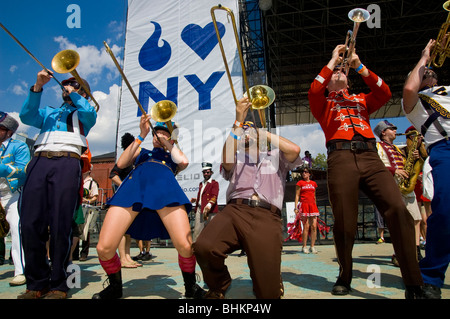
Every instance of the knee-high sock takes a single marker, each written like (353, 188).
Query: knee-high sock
(112, 265)
(187, 264)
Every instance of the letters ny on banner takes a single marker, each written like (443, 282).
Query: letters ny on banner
(172, 53)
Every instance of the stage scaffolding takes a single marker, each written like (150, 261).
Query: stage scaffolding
(287, 45)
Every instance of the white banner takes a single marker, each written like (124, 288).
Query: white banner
(172, 53)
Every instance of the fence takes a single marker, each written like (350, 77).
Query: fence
(366, 230)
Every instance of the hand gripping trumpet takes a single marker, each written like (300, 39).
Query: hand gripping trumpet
(358, 16)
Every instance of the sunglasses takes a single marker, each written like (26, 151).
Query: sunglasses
(73, 84)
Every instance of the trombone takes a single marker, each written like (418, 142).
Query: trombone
(441, 49)
(261, 96)
(63, 62)
(358, 16)
(162, 111)
(66, 61)
(31, 55)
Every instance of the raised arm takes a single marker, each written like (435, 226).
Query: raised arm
(414, 80)
(231, 143)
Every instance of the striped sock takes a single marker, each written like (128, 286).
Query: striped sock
(187, 264)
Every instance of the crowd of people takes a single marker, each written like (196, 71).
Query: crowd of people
(49, 196)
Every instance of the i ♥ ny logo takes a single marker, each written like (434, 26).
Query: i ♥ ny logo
(202, 41)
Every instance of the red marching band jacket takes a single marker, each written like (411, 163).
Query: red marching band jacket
(340, 112)
(209, 195)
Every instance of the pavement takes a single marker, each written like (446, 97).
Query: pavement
(305, 276)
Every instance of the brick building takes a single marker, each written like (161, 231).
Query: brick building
(101, 167)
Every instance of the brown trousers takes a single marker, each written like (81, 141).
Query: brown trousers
(256, 230)
(349, 172)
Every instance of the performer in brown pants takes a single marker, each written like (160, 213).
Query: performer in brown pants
(353, 165)
(251, 220)
(348, 171)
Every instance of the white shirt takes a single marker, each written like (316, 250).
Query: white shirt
(439, 102)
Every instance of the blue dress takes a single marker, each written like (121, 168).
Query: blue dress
(150, 186)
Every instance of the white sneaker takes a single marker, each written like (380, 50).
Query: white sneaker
(314, 250)
(305, 250)
(18, 281)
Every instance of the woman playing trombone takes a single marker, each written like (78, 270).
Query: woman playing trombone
(150, 196)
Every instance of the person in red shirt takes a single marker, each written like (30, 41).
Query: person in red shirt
(305, 205)
(354, 165)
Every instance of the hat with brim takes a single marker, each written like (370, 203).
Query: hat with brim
(206, 166)
(8, 122)
(162, 126)
(382, 126)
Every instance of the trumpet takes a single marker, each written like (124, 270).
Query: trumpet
(441, 49)
(261, 96)
(358, 16)
(66, 61)
(162, 111)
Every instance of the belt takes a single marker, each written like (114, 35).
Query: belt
(50, 154)
(354, 146)
(256, 203)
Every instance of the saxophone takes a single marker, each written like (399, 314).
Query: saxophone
(412, 166)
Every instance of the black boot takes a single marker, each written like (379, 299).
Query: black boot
(414, 292)
(192, 290)
(114, 290)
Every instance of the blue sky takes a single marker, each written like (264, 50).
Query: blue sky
(42, 26)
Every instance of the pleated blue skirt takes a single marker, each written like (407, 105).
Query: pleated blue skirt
(149, 187)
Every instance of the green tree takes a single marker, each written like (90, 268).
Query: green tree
(320, 161)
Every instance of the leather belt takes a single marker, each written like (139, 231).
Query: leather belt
(354, 146)
(50, 154)
(256, 203)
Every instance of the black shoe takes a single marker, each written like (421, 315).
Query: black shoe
(114, 290)
(192, 290)
(431, 292)
(146, 257)
(340, 289)
(414, 292)
(419, 254)
(138, 257)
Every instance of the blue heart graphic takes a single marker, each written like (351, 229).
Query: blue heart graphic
(202, 40)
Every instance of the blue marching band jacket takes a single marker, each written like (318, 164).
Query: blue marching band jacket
(64, 125)
(13, 161)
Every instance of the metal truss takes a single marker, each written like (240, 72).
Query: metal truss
(294, 39)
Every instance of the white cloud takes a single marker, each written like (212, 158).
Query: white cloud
(309, 137)
(102, 137)
(93, 61)
(13, 68)
(118, 28)
(19, 90)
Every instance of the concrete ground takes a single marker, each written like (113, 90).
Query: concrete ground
(305, 276)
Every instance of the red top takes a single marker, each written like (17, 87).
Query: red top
(336, 112)
(307, 191)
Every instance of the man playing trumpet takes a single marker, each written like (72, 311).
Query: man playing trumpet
(354, 164)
